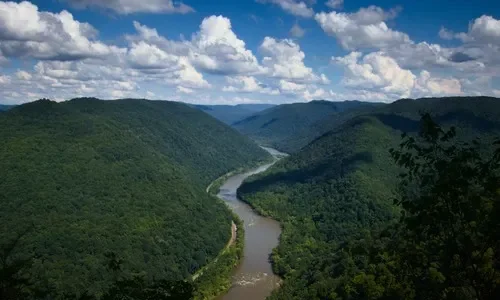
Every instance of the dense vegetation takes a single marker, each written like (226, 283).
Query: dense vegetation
(86, 179)
(216, 279)
(345, 238)
(232, 113)
(289, 127)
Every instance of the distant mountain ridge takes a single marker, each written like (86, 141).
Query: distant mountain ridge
(232, 113)
(288, 127)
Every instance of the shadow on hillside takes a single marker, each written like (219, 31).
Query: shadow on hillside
(325, 170)
(466, 117)
(455, 118)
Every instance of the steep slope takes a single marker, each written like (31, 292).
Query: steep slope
(289, 127)
(233, 113)
(341, 187)
(89, 177)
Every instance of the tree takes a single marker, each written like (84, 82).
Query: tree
(451, 202)
(13, 279)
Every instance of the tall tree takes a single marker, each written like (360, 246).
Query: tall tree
(450, 201)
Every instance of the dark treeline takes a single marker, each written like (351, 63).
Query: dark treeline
(355, 229)
(85, 178)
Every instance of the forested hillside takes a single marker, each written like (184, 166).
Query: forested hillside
(5, 107)
(335, 198)
(289, 127)
(230, 114)
(86, 180)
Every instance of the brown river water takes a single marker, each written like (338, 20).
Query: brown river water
(253, 279)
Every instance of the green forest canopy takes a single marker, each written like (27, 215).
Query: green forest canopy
(86, 178)
(335, 200)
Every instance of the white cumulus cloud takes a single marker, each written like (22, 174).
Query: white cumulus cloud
(335, 4)
(247, 84)
(381, 73)
(425, 84)
(135, 6)
(217, 49)
(363, 29)
(27, 32)
(295, 7)
(284, 59)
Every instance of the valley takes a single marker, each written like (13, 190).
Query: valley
(336, 198)
(253, 278)
(104, 199)
(249, 150)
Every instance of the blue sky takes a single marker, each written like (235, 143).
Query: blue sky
(248, 51)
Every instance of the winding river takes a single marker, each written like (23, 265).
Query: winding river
(253, 279)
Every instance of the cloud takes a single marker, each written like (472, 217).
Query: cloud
(187, 76)
(217, 49)
(481, 44)
(302, 92)
(247, 84)
(70, 60)
(460, 57)
(142, 55)
(4, 79)
(425, 85)
(23, 75)
(151, 36)
(284, 59)
(184, 90)
(376, 71)
(335, 4)
(291, 87)
(381, 73)
(446, 34)
(433, 56)
(26, 32)
(134, 6)
(295, 7)
(297, 31)
(65, 80)
(483, 30)
(363, 29)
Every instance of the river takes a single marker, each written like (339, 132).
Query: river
(253, 279)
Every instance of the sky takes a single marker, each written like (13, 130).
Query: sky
(248, 51)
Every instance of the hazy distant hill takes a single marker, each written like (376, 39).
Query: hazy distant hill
(288, 127)
(341, 187)
(127, 176)
(5, 107)
(232, 113)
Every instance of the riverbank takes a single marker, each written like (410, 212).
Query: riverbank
(242, 264)
(214, 186)
(253, 279)
(214, 279)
